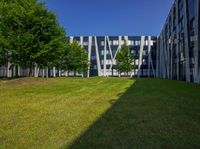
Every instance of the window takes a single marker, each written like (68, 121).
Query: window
(144, 62)
(108, 62)
(132, 52)
(137, 43)
(122, 42)
(146, 42)
(151, 42)
(181, 25)
(174, 18)
(145, 52)
(102, 43)
(191, 8)
(180, 9)
(136, 62)
(115, 42)
(102, 52)
(85, 43)
(130, 42)
(93, 57)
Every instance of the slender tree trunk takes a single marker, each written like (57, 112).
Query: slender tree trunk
(43, 73)
(18, 71)
(47, 74)
(30, 70)
(35, 70)
(119, 74)
(59, 72)
(54, 71)
(14, 71)
(66, 74)
(37, 73)
(8, 70)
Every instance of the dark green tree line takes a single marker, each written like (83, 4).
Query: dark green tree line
(30, 36)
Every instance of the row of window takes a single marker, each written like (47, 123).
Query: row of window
(145, 52)
(109, 62)
(123, 42)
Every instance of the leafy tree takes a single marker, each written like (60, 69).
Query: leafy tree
(32, 33)
(75, 58)
(124, 60)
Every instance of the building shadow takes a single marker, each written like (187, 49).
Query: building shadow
(116, 128)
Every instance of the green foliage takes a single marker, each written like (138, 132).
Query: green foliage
(74, 58)
(124, 60)
(30, 33)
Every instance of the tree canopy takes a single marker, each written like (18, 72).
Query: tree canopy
(124, 60)
(30, 36)
(75, 58)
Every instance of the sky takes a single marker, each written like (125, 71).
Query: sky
(111, 17)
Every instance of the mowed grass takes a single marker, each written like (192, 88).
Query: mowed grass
(51, 113)
(108, 113)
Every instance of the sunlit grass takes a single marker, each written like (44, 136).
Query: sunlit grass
(51, 113)
(99, 113)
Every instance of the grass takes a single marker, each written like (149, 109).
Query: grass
(99, 113)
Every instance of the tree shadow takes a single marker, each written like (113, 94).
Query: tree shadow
(115, 129)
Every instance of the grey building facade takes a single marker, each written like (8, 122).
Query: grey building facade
(178, 54)
(102, 51)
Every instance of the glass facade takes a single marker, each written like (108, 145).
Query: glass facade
(103, 55)
(180, 44)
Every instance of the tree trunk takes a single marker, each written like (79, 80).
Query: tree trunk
(54, 71)
(30, 70)
(35, 71)
(18, 71)
(8, 70)
(14, 71)
(42, 73)
(47, 74)
(119, 75)
(38, 70)
(59, 72)
(66, 74)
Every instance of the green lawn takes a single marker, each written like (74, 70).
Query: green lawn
(108, 113)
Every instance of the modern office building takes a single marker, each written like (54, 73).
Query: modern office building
(102, 51)
(178, 54)
(174, 54)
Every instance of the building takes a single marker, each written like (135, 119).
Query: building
(178, 54)
(102, 51)
(174, 54)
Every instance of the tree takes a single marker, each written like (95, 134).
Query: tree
(124, 60)
(32, 34)
(74, 58)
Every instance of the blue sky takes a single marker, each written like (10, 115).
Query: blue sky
(111, 17)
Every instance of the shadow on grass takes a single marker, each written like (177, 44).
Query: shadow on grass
(147, 115)
(114, 129)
